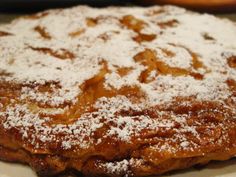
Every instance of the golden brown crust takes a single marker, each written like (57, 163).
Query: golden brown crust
(117, 94)
(217, 142)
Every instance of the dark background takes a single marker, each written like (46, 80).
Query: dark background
(36, 5)
(10, 9)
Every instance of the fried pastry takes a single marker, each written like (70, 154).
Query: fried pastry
(118, 91)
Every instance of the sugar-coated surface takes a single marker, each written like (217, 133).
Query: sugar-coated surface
(51, 57)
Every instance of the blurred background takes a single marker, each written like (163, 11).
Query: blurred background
(10, 9)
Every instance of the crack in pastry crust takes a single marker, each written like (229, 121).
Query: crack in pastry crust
(117, 91)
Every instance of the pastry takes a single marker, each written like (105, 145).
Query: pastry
(117, 91)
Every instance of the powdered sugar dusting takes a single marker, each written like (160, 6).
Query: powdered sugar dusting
(53, 66)
(116, 167)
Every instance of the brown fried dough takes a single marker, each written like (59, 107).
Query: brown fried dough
(118, 91)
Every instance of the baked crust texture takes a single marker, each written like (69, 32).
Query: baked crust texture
(117, 91)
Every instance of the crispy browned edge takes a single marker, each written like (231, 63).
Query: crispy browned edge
(46, 165)
(52, 164)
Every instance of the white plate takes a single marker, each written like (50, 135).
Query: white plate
(219, 169)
